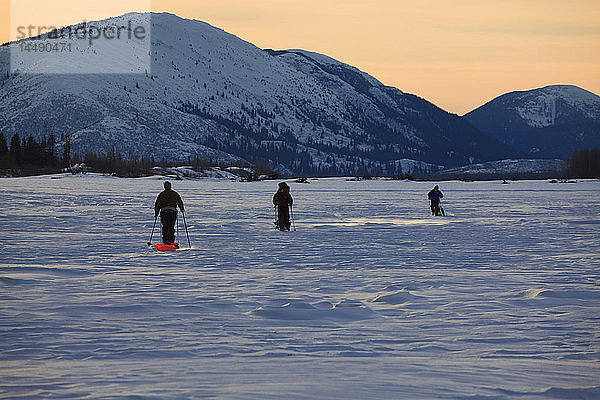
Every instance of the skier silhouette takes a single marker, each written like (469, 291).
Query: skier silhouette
(166, 204)
(283, 201)
(434, 196)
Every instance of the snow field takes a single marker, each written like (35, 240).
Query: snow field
(371, 297)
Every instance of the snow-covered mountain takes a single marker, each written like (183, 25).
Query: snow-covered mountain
(552, 121)
(211, 94)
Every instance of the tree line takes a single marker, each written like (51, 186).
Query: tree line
(27, 156)
(584, 164)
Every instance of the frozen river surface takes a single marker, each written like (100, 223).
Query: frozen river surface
(371, 297)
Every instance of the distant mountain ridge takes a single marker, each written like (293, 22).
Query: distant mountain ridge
(548, 122)
(506, 169)
(212, 95)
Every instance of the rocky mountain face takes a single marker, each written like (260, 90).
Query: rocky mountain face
(548, 122)
(209, 94)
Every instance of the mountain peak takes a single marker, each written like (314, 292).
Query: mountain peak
(537, 107)
(551, 121)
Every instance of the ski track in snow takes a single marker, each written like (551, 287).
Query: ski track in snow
(370, 298)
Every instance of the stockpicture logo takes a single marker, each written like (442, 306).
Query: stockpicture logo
(117, 45)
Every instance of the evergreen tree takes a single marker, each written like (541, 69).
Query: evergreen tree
(3, 145)
(66, 159)
(3, 151)
(15, 153)
(42, 153)
(51, 151)
(29, 156)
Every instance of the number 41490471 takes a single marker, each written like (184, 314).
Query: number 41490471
(45, 46)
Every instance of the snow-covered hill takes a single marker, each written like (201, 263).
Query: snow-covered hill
(522, 168)
(213, 95)
(548, 122)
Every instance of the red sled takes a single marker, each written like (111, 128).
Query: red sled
(166, 247)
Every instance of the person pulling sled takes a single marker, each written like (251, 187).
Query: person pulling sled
(283, 202)
(166, 204)
(434, 196)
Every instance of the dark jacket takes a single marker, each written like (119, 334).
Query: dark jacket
(435, 195)
(167, 198)
(283, 198)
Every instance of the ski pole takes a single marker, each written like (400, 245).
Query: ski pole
(152, 234)
(292, 214)
(186, 229)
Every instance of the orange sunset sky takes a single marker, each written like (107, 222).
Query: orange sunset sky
(457, 54)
